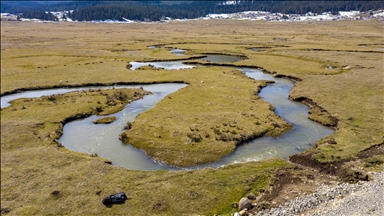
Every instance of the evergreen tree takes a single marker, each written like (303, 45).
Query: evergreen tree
(155, 10)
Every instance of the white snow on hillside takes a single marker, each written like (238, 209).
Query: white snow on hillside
(379, 14)
(348, 13)
(326, 16)
(246, 15)
(229, 3)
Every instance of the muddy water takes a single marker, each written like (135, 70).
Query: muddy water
(84, 136)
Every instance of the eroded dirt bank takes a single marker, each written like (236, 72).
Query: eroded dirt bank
(33, 169)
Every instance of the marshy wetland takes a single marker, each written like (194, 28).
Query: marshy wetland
(218, 108)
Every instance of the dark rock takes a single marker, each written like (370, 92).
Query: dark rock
(115, 198)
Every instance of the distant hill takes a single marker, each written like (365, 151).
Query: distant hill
(155, 10)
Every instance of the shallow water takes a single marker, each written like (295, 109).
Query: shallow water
(177, 65)
(258, 49)
(155, 47)
(302, 136)
(222, 58)
(178, 52)
(84, 136)
(46, 92)
(170, 65)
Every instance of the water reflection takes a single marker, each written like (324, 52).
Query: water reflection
(178, 52)
(302, 136)
(84, 136)
(170, 65)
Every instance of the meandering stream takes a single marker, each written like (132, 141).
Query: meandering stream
(84, 136)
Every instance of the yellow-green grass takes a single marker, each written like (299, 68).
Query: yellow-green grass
(356, 100)
(39, 121)
(40, 178)
(215, 91)
(28, 183)
(105, 120)
(354, 97)
(206, 120)
(37, 168)
(319, 115)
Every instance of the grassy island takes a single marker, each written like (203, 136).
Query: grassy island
(339, 79)
(105, 120)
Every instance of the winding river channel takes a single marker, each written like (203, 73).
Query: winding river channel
(84, 136)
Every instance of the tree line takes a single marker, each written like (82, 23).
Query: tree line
(38, 15)
(156, 10)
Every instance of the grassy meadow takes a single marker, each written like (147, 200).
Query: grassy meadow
(200, 123)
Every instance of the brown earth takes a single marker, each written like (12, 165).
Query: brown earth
(288, 186)
(309, 174)
(336, 168)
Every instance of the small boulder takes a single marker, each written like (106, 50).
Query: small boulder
(115, 198)
(245, 203)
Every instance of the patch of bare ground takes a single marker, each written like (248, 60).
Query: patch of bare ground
(348, 85)
(310, 174)
(340, 168)
(290, 185)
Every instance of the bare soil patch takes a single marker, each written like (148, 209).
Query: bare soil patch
(40, 55)
(289, 185)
